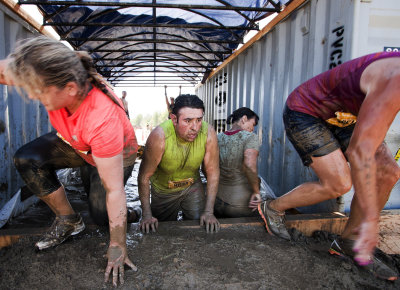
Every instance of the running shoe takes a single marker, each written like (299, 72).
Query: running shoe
(62, 228)
(274, 221)
(344, 249)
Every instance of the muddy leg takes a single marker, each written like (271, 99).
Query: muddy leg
(334, 181)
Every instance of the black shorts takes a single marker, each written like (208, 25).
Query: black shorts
(313, 137)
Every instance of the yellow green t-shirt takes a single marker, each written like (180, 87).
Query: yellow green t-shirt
(181, 160)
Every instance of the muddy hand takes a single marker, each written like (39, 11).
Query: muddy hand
(210, 221)
(255, 200)
(117, 258)
(147, 223)
(366, 242)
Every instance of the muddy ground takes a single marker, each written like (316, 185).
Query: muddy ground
(181, 255)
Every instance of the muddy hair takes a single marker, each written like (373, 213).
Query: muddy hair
(40, 62)
(191, 101)
(239, 113)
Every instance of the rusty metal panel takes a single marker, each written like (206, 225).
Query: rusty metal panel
(21, 120)
(315, 37)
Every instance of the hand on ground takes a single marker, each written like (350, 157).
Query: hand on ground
(366, 242)
(210, 221)
(117, 257)
(255, 200)
(147, 223)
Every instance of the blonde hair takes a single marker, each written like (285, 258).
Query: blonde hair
(40, 62)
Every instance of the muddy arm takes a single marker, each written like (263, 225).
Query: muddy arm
(211, 168)
(152, 156)
(250, 169)
(377, 112)
(112, 176)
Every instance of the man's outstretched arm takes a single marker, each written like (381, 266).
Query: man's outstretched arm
(211, 167)
(377, 112)
(153, 153)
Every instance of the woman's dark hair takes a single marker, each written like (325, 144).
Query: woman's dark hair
(239, 113)
(191, 101)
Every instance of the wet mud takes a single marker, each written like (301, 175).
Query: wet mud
(181, 255)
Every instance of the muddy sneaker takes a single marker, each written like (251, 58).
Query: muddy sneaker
(134, 214)
(62, 228)
(344, 249)
(274, 221)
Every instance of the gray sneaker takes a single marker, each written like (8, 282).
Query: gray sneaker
(274, 221)
(62, 228)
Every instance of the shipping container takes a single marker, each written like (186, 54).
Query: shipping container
(295, 46)
(21, 120)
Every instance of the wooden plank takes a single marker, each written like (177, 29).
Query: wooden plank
(389, 236)
(6, 241)
(389, 239)
(309, 223)
(25, 16)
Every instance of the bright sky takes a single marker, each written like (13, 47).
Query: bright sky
(150, 99)
(144, 100)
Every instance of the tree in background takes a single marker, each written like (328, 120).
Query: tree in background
(151, 120)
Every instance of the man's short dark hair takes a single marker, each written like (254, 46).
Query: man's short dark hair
(190, 101)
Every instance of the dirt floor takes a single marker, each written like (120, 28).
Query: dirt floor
(181, 255)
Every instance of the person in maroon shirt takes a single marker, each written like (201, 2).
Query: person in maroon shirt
(340, 116)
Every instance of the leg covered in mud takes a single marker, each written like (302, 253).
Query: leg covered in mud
(321, 147)
(37, 162)
(165, 206)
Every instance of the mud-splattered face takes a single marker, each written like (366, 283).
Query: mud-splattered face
(187, 123)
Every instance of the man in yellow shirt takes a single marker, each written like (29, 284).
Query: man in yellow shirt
(174, 152)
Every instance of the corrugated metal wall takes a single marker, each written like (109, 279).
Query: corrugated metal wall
(307, 42)
(20, 120)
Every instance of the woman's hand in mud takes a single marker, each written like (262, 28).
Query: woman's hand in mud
(117, 257)
(148, 222)
(255, 200)
(210, 222)
(366, 242)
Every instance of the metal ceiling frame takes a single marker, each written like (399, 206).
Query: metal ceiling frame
(151, 44)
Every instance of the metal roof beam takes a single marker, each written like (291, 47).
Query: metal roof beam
(161, 50)
(155, 86)
(149, 40)
(139, 76)
(151, 71)
(156, 80)
(155, 65)
(146, 58)
(150, 25)
(148, 5)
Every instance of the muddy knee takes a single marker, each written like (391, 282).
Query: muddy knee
(40, 180)
(25, 159)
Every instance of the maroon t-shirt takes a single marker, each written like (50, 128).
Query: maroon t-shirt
(337, 89)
